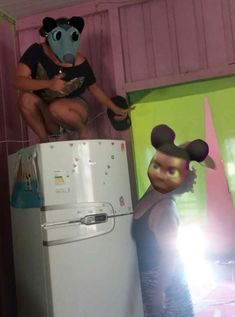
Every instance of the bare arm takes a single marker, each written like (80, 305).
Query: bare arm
(100, 95)
(22, 80)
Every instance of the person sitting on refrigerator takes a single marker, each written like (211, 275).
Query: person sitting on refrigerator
(164, 289)
(51, 78)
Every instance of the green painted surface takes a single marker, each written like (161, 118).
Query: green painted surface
(182, 108)
(5, 17)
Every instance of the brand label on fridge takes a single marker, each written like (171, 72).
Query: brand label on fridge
(62, 181)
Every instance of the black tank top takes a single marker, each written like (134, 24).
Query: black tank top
(148, 250)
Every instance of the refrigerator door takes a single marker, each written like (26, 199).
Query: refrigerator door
(84, 171)
(96, 276)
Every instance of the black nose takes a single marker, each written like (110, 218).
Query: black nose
(69, 58)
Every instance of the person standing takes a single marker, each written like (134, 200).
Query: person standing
(155, 225)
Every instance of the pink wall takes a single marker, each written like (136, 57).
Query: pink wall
(220, 211)
(155, 43)
(11, 134)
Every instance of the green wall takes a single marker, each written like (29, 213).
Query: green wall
(182, 108)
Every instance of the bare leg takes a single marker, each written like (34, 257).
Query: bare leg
(72, 113)
(36, 114)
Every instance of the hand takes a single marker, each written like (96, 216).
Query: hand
(121, 113)
(57, 84)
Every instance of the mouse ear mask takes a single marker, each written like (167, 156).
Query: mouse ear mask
(162, 138)
(48, 24)
(77, 22)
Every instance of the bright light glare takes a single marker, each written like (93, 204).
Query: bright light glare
(192, 245)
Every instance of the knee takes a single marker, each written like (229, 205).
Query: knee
(56, 110)
(27, 102)
(64, 109)
(59, 109)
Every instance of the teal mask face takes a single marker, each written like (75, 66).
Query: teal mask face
(64, 41)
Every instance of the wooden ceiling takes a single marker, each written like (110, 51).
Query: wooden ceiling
(18, 9)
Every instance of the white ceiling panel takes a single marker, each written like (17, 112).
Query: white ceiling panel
(18, 9)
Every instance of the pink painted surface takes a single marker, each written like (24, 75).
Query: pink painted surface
(159, 39)
(26, 38)
(221, 213)
(186, 34)
(200, 34)
(231, 8)
(228, 19)
(8, 60)
(214, 32)
(116, 51)
(11, 131)
(154, 43)
(173, 79)
(135, 32)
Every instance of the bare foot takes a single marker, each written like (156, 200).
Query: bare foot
(44, 140)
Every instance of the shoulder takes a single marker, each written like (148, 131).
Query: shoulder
(150, 198)
(84, 63)
(80, 59)
(32, 52)
(31, 56)
(167, 204)
(34, 47)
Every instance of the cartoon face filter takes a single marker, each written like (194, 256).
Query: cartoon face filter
(63, 36)
(169, 166)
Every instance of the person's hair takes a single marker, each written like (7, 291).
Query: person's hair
(188, 184)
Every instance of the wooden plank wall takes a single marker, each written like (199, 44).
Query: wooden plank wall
(174, 41)
(11, 134)
(139, 44)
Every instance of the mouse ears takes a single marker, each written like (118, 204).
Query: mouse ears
(48, 24)
(162, 138)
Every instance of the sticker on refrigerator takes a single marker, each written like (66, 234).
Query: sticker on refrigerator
(62, 181)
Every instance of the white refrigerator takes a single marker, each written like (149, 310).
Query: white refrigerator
(71, 215)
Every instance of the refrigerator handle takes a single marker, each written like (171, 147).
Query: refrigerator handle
(87, 220)
(94, 219)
